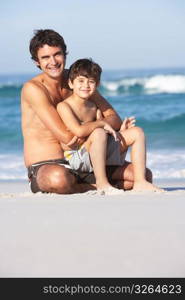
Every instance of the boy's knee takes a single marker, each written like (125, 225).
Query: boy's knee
(138, 132)
(55, 179)
(99, 133)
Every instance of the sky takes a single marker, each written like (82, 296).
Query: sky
(119, 34)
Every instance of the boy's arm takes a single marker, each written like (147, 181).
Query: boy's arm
(39, 100)
(74, 125)
(110, 115)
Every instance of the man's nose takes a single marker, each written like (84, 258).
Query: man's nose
(53, 60)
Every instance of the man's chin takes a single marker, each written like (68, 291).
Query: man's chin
(55, 75)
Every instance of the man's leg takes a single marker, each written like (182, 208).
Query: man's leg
(135, 138)
(123, 176)
(58, 179)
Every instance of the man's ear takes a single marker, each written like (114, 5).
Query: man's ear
(70, 84)
(64, 62)
(37, 64)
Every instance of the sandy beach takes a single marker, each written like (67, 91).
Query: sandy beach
(85, 235)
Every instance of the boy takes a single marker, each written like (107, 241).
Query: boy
(76, 111)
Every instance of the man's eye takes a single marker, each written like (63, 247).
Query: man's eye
(58, 55)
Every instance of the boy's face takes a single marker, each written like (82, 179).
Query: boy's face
(51, 60)
(83, 87)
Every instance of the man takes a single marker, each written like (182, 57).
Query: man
(44, 131)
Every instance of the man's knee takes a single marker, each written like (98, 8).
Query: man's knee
(55, 179)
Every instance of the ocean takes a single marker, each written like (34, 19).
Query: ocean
(155, 97)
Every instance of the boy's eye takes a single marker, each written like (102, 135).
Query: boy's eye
(92, 81)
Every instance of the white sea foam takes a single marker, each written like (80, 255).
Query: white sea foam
(10, 84)
(150, 85)
(166, 84)
(163, 163)
(12, 167)
(167, 163)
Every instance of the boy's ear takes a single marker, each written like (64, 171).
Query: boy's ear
(70, 84)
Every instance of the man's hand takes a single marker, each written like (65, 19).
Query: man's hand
(75, 141)
(128, 123)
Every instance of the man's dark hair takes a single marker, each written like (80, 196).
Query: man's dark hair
(46, 37)
(85, 67)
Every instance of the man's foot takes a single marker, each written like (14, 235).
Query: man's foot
(146, 186)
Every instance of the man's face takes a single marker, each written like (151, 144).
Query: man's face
(51, 60)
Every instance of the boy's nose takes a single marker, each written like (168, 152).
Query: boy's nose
(86, 83)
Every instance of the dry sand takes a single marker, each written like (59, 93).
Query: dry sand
(84, 235)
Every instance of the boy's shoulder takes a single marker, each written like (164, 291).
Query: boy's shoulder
(65, 102)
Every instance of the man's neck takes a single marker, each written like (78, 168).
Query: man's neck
(54, 83)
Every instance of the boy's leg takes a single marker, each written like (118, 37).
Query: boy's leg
(96, 145)
(135, 138)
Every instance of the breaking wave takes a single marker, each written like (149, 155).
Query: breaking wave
(150, 85)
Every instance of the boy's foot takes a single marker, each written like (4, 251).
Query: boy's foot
(146, 186)
(110, 190)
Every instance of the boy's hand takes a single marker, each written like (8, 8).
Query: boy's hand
(128, 123)
(110, 130)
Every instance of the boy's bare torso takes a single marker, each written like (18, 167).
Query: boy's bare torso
(84, 111)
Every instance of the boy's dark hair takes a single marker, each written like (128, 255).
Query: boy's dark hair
(85, 67)
(46, 37)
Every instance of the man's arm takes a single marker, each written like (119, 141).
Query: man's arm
(39, 100)
(110, 115)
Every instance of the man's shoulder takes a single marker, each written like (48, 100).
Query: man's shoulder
(34, 83)
(32, 90)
